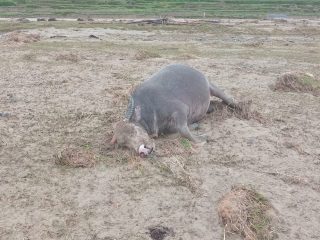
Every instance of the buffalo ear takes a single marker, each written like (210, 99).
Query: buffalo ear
(114, 140)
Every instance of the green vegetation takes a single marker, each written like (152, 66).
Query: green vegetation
(310, 81)
(177, 8)
(6, 3)
(186, 143)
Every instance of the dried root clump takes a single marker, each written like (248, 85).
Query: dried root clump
(20, 37)
(167, 147)
(297, 82)
(255, 44)
(175, 168)
(75, 158)
(242, 111)
(120, 96)
(70, 57)
(248, 213)
(143, 54)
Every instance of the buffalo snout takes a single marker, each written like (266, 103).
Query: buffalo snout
(134, 137)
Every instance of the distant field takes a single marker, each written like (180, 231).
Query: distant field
(177, 8)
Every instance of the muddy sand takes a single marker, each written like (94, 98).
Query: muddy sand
(65, 89)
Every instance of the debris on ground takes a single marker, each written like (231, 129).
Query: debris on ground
(75, 158)
(144, 54)
(175, 167)
(4, 114)
(298, 82)
(160, 232)
(221, 111)
(248, 213)
(23, 20)
(70, 57)
(93, 36)
(168, 147)
(21, 37)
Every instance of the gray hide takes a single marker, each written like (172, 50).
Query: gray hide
(172, 99)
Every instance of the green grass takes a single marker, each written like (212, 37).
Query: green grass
(310, 81)
(11, 26)
(7, 3)
(185, 143)
(177, 8)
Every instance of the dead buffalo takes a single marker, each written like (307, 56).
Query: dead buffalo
(170, 101)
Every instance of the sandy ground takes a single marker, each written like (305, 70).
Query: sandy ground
(68, 90)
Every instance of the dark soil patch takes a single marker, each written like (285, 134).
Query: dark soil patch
(160, 232)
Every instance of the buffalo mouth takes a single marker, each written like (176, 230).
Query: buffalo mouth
(144, 150)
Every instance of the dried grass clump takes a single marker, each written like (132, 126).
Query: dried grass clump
(243, 111)
(176, 169)
(254, 44)
(297, 82)
(144, 54)
(75, 158)
(174, 147)
(112, 116)
(248, 213)
(29, 57)
(280, 20)
(120, 96)
(20, 37)
(70, 57)
(186, 56)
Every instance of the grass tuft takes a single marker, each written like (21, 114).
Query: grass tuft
(242, 111)
(20, 37)
(248, 213)
(297, 82)
(7, 3)
(146, 54)
(186, 143)
(75, 158)
(70, 57)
